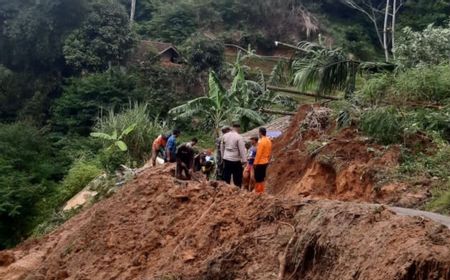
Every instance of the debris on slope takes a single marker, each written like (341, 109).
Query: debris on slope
(315, 161)
(157, 227)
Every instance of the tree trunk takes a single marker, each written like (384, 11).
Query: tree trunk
(385, 31)
(132, 11)
(394, 18)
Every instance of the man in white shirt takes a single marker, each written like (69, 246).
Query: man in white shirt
(234, 156)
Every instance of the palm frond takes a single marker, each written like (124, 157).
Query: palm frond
(325, 70)
(250, 114)
(192, 108)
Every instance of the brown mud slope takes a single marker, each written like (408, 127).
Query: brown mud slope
(158, 228)
(314, 160)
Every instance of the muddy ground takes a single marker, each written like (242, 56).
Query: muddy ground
(159, 228)
(317, 221)
(315, 160)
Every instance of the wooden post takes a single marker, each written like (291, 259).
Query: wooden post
(293, 91)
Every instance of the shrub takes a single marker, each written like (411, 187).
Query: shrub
(429, 47)
(426, 83)
(139, 141)
(383, 124)
(80, 174)
(429, 83)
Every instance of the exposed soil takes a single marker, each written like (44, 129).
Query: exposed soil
(314, 160)
(157, 227)
(160, 228)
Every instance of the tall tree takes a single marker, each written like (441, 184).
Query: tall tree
(378, 12)
(132, 11)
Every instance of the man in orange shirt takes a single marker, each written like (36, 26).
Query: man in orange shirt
(158, 148)
(262, 159)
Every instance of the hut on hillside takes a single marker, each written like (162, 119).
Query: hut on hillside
(164, 53)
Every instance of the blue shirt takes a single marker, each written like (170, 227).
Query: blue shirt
(171, 146)
(251, 155)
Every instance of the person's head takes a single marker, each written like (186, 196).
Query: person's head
(254, 141)
(248, 145)
(194, 141)
(176, 132)
(164, 136)
(226, 129)
(237, 127)
(262, 132)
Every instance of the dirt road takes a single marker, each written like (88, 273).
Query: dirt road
(445, 220)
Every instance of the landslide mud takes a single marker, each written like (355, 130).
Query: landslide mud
(314, 160)
(160, 228)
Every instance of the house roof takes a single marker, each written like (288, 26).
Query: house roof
(274, 129)
(159, 47)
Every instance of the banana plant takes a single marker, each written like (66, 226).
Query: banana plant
(115, 139)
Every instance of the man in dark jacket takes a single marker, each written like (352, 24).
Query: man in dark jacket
(185, 159)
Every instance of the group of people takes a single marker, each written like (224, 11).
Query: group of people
(166, 148)
(245, 163)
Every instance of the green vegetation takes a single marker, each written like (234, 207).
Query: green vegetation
(132, 132)
(66, 72)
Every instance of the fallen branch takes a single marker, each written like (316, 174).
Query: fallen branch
(202, 217)
(293, 91)
(282, 258)
(275, 112)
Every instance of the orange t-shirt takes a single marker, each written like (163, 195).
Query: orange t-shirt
(264, 151)
(159, 143)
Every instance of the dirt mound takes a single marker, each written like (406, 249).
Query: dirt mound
(315, 160)
(159, 228)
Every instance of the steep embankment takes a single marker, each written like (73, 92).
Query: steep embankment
(314, 160)
(159, 228)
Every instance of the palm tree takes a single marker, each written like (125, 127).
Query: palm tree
(325, 70)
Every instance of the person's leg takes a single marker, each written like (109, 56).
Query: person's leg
(259, 178)
(237, 173)
(262, 178)
(154, 154)
(226, 175)
(251, 186)
(178, 169)
(246, 179)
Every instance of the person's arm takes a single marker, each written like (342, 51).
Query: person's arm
(242, 150)
(259, 152)
(222, 148)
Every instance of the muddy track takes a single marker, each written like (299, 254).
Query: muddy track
(441, 219)
(158, 228)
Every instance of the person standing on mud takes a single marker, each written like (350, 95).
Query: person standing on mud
(262, 159)
(171, 147)
(234, 156)
(219, 159)
(185, 159)
(158, 148)
(249, 174)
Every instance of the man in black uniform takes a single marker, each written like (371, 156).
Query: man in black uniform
(185, 159)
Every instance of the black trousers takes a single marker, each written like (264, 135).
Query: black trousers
(260, 172)
(233, 168)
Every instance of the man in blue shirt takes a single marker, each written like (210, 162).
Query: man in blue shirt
(171, 147)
